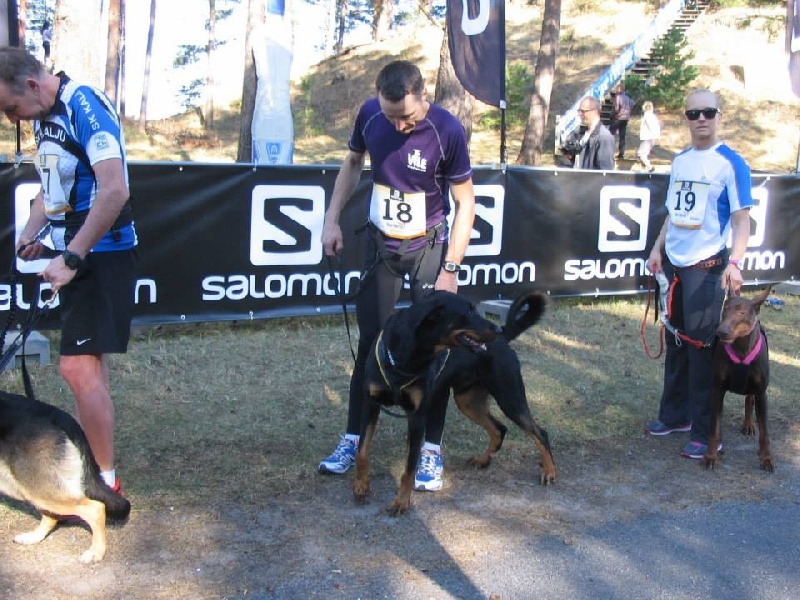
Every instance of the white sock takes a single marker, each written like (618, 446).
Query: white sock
(352, 437)
(435, 448)
(110, 477)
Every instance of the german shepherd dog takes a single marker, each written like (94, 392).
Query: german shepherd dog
(443, 341)
(741, 365)
(45, 459)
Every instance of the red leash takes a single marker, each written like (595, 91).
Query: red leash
(666, 309)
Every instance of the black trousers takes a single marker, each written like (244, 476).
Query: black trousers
(620, 126)
(376, 300)
(696, 307)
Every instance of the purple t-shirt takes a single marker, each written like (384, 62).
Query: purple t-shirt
(411, 171)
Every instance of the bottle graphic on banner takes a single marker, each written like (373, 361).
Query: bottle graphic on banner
(272, 127)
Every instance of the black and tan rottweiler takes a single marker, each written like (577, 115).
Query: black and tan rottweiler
(45, 459)
(443, 341)
(741, 365)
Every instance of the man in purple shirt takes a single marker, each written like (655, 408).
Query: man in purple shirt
(418, 153)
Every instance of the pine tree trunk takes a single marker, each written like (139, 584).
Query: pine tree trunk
(255, 15)
(77, 49)
(544, 74)
(113, 53)
(147, 60)
(450, 94)
(212, 43)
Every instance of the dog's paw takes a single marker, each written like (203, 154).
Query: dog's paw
(92, 555)
(29, 537)
(709, 461)
(360, 491)
(398, 507)
(748, 428)
(546, 476)
(767, 464)
(481, 461)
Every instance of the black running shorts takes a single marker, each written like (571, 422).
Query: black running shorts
(97, 306)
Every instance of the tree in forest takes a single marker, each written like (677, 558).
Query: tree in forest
(212, 46)
(450, 94)
(192, 53)
(148, 56)
(382, 13)
(114, 53)
(255, 16)
(122, 36)
(77, 49)
(544, 74)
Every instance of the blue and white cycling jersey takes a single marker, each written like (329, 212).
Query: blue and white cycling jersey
(705, 188)
(81, 130)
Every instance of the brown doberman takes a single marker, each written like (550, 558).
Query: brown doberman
(741, 366)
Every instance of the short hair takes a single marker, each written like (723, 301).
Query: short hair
(704, 91)
(16, 66)
(647, 105)
(398, 79)
(596, 105)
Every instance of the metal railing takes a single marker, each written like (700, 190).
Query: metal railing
(641, 47)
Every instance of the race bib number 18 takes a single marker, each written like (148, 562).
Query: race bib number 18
(397, 214)
(687, 203)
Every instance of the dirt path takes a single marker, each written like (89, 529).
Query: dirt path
(315, 543)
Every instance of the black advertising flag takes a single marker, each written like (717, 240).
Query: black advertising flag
(476, 31)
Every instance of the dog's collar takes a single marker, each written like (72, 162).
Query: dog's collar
(392, 376)
(751, 356)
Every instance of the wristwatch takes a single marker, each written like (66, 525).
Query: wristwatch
(451, 267)
(73, 261)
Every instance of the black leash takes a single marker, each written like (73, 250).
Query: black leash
(34, 315)
(337, 275)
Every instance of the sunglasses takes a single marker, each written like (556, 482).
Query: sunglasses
(694, 113)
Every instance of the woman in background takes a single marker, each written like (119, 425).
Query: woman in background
(649, 132)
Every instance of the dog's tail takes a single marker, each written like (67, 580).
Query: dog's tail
(117, 506)
(524, 313)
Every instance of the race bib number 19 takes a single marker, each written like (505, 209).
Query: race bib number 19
(397, 214)
(687, 203)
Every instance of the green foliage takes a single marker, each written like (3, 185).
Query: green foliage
(191, 93)
(306, 120)
(669, 83)
(188, 54)
(519, 83)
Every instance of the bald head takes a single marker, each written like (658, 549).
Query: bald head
(702, 118)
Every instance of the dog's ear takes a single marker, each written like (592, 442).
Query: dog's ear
(759, 300)
(431, 318)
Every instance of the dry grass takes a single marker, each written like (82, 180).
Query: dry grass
(252, 407)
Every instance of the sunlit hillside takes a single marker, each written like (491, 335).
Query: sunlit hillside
(745, 65)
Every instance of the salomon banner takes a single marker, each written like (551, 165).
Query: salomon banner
(238, 242)
(476, 32)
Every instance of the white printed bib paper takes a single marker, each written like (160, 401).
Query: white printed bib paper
(399, 215)
(687, 203)
(55, 203)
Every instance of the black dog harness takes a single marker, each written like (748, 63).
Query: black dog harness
(395, 379)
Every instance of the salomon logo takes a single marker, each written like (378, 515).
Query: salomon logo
(624, 217)
(286, 224)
